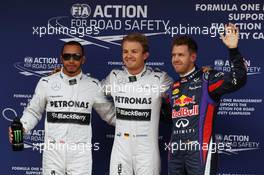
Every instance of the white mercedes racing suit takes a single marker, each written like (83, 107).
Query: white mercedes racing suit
(137, 100)
(68, 103)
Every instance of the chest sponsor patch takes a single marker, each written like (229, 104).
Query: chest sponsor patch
(69, 117)
(185, 112)
(184, 100)
(133, 114)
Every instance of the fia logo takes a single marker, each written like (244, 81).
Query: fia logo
(219, 63)
(80, 10)
(28, 60)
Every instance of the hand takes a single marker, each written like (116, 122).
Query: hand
(231, 36)
(206, 69)
(10, 135)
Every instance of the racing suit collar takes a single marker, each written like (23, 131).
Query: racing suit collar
(133, 78)
(71, 80)
(190, 75)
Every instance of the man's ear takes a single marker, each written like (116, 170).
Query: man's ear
(83, 59)
(61, 59)
(193, 57)
(146, 55)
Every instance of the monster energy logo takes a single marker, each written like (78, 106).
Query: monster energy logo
(18, 136)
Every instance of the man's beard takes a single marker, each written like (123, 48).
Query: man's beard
(72, 71)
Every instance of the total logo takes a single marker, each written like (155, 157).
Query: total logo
(184, 100)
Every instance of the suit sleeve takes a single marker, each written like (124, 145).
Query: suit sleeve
(104, 107)
(165, 110)
(33, 112)
(106, 85)
(165, 84)
(221, 83)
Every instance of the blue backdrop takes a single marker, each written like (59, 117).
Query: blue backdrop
(32, 33)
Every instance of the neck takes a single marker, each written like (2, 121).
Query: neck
(135, 72)
(188, 73)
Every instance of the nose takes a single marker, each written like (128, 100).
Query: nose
(129, 54)
(71, 60)
(175, 58)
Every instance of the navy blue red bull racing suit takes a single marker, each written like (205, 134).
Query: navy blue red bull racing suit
(194, 100)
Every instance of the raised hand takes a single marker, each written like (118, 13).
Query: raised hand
(230, 39)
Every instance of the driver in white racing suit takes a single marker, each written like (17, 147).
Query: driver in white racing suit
(68, 98)
(137, 92)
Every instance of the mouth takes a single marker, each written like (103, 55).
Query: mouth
(177, 64)
(129, 61)
(71, 66)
